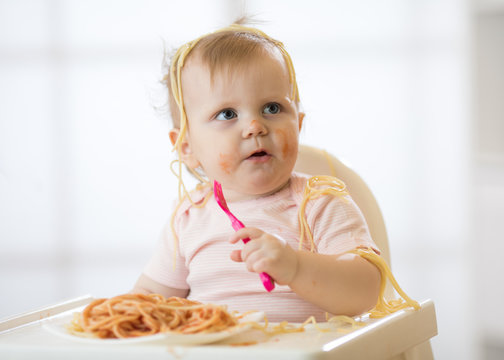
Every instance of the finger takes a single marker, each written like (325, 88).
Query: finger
(262, 266)
(236, 256)
(256, 262)
(246, 232)
(250, 248)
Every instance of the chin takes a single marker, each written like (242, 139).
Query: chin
(266, 186)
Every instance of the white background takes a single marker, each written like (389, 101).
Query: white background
(400, 89)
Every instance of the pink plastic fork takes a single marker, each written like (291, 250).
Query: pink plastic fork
(267, 281)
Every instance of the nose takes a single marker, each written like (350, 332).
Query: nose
(255, 128)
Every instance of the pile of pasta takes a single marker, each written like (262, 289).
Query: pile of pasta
(134, 315)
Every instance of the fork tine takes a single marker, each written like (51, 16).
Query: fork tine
(219, 195)
(217, 189)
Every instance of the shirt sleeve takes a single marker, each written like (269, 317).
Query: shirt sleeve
(164, 267)
(338, 225)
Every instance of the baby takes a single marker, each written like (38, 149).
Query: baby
(236, 119)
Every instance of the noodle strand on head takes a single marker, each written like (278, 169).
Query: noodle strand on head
(173, 81)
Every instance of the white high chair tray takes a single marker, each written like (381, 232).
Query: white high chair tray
(28, 336)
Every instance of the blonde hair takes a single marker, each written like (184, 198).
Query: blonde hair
(230, 46)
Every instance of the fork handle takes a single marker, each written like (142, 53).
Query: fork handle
(267, 281)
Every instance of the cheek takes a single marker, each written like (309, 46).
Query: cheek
(225, 161)
(287, 141)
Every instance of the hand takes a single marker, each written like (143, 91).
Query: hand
(266, 253)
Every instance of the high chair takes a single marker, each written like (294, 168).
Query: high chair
(314, 161)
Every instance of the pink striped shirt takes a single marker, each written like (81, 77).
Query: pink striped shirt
(202, 261)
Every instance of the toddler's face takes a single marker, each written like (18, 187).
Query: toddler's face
(243, 126)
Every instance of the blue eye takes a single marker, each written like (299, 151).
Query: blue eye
(226, 114)
(272, 108)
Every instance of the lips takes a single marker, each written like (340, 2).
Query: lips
(258, 154)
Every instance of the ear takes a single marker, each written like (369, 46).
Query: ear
(186, 154)
(301, 116)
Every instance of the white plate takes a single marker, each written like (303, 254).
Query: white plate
(58, 327)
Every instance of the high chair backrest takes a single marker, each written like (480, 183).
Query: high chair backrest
(314, 161)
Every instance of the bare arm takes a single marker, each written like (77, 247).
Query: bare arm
(145, 285)
(340, 284)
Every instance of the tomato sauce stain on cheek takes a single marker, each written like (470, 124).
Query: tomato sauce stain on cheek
(225, 163)
(286, 149)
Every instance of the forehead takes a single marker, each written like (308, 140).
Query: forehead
(268, 62)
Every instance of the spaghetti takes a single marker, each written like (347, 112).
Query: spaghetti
(385, 307)
(134, 315)
(315, 187)
(320, 185)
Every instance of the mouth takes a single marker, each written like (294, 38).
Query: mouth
(259, 155)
